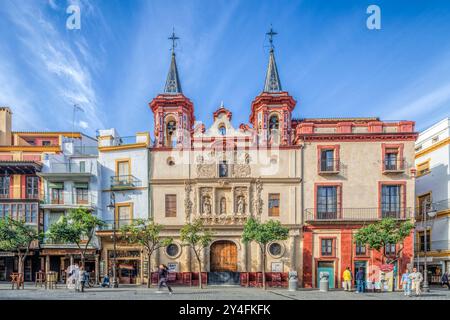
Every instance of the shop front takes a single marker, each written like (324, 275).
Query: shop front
(128, 265)
(9, 263)
(59, 260)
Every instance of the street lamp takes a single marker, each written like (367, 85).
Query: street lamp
(426, 211)
(112, 205)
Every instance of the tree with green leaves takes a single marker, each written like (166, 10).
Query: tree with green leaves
(147, 234)
(197, 237)
(387, 231)
(16, 235)
(78, 227)
(263, 234)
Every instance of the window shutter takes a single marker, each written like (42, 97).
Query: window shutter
(171, 205)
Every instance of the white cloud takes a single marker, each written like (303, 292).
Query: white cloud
(83, 124)
(61, 61)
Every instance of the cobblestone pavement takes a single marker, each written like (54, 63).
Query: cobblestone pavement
(210, 293)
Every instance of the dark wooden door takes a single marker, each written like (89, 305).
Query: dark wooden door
(223, 256)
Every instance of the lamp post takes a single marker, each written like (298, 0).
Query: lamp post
(426, 211)
(112, 205)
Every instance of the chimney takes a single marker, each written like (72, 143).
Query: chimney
(5, 126)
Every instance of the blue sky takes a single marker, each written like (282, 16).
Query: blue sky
(118, 61)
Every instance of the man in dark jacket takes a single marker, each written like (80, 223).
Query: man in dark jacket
(163, 273)
(445, 281)
(360, 281)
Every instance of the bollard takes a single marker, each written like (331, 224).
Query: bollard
(324, 284)
(292, 281)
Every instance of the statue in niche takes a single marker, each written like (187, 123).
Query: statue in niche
(206, 205)
(241, 205)
(223, 205)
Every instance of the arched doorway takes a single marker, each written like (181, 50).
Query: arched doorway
(223, 263)
(223, 256)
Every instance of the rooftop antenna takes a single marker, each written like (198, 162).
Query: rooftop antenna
(76, 108)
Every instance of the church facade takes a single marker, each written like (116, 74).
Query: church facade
(321, 178)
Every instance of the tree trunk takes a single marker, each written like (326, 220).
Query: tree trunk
(149, 269)
(200, 284)
(21, 266)
(263, 256)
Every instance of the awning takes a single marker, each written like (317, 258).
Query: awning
(19, 167)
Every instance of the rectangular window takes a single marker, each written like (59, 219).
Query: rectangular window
(53, 217)
(423, 168)
(123, 168)
(360, 249)
(171, 205)
(391, 159)
(274, 204)
(20, 211)
(326, 247)
(57, 195)
(422, 201)
(46, 143)
(327, 202)
(82, 195)
(435, 139)
(32, 187)
(389, 249)
(422, 241)
(82, 166)
(327, 160)
(4, 186)
(391, 201)
(124, 214)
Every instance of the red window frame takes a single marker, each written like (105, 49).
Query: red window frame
(398, 147)
(338, 185)
(333, 247)
(336, 150)
(402, 185)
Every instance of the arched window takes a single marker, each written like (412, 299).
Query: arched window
(222, 130)
(171, 129)
(274, 125)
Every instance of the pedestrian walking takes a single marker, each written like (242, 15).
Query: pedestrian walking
(416, 280)
(360, 281)
(406, 283)
(81, 281)
(347, 276)
(444, 280)
(163, 272)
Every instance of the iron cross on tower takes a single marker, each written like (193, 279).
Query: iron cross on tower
(271, 33)
(173, 38)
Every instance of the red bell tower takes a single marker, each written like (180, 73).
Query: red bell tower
(173, 112)
(272, 110)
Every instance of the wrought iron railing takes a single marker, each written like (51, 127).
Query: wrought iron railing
(329, 165)
(355, 214)
(438, 206)
(390, 165)
(435, 245)
(115, 224)
(125, 181)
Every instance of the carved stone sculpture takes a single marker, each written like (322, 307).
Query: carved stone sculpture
(241, 205)
(206, 205)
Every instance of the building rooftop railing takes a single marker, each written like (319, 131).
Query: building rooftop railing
(68, 167)
(85, 150)
(355, 214)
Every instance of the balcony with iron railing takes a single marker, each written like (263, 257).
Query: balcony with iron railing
(329, 166)
(67, 198)
(125, 182)
(432, 246)
(393, 166)
(441, 206)
(110, 225)
(313, 215)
